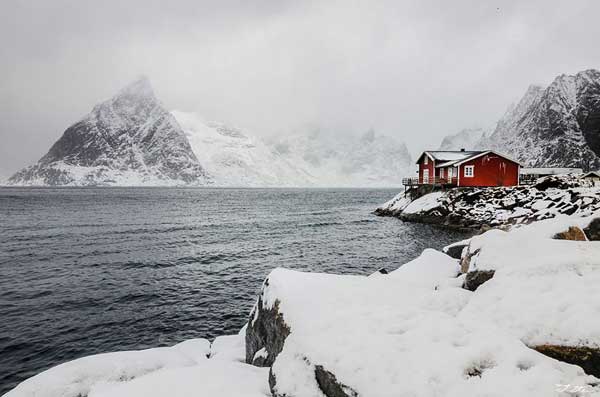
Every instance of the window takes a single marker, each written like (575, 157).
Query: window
(426, 161)
(450, 173)
(469, 171)
(441, 173)
(425, 176)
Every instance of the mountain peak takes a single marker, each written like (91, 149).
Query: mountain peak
(139, 88)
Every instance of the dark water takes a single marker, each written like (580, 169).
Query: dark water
(92, 270)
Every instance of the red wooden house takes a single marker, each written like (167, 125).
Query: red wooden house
(466, 168)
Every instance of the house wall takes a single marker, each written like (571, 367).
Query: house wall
(490, 170)
(430, 167)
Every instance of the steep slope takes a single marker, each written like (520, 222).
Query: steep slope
(370, 160)
(558, 126)
(129, 139)
(467, 138)
(233, 158)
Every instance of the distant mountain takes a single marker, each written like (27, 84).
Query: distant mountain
(129, 139)
(464, 139)
(556, 126)
(233, 158)
(370, 160)
(132, 140)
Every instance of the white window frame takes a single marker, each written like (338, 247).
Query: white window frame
(426, 160)
(426, 176)
(441, 173)
(469, 171)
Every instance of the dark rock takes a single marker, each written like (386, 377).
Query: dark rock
(593, 230)
(266, 329)
(475, 278)
(382, 271)
(330, 386)
(455, 250)
(586, 357)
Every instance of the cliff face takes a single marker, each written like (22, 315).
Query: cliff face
(129, 139)
(558, 126)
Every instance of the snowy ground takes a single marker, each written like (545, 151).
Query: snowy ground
(193, 367)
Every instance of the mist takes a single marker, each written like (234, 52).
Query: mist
(413, 70)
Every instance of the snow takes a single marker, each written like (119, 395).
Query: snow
(541, 288)
(78, 377)
(233, 158)
(451, 155)
(371, 332)
(212, 378)
(229, 348)
(424, 203)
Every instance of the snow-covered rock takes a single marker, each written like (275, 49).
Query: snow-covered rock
(498, 206)
(214, 378)
(410, 333)
(79, 377)
(129, 139)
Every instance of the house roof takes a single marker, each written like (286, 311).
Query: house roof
(447, 155)
(456, 158)
(592, 174)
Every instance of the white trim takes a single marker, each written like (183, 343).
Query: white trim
(426, 178)
(426, 161)
(470, 168)
(426, 153)
(457, 175)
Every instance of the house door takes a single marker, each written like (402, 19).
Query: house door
(425, 176)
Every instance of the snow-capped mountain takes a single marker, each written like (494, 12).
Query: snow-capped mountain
(370, 160)
(129, 139)
(467, 139)
(233, 158)
(557, 126)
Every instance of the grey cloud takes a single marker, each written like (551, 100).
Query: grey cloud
(415, 70)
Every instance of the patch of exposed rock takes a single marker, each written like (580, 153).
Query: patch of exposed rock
(587, 358)
(265, 334)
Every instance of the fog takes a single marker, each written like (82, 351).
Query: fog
(414, 70)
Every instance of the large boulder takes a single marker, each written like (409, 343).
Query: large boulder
(592, 231)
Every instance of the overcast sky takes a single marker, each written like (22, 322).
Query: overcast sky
(415, 70)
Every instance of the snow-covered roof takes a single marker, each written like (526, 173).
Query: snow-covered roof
(455, 158)
(449, 155)
(550, 171)
(592, 174)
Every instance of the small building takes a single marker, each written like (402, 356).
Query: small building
(465, 168)
(593, 177)
(531, 175)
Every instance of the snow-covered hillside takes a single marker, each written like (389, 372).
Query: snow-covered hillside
(468, 139)
(129, 139)
(370, 160)
(233, 158)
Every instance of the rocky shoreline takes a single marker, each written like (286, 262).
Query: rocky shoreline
(477, 208)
